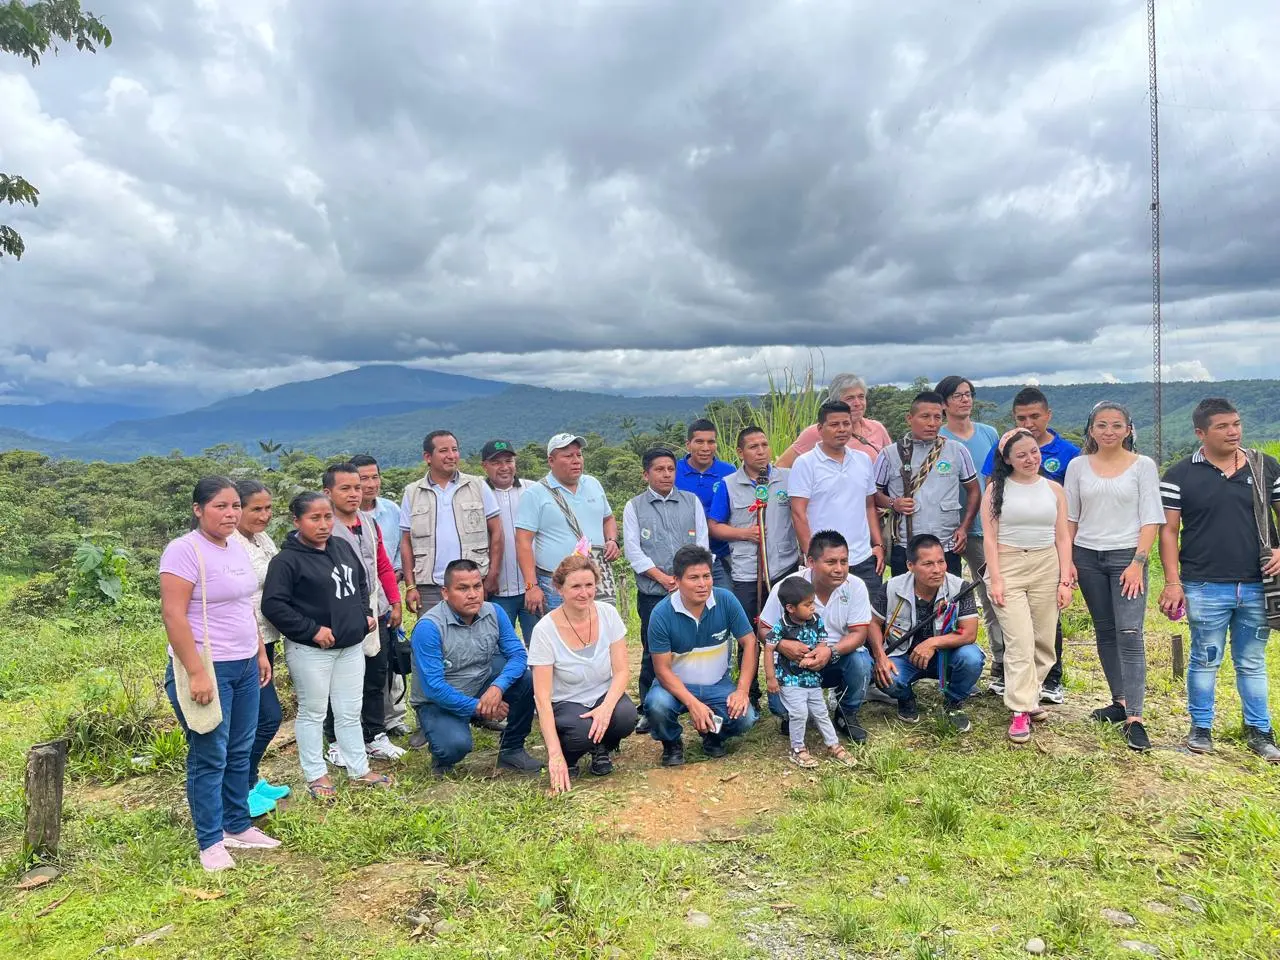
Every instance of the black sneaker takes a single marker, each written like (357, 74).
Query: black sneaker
(784, 726)
(908, 710)
(1200, 740)
(957, 718)
(848, 726)
(672, 753)
(642, 726)
(519, 760)
(713, 746)
(497, 726)
(601, 764)
(1263, 743)
(1135, 735)
(1109, 714)
(1052, 693)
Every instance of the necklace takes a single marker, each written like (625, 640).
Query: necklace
(1235, 464)
(591, 623)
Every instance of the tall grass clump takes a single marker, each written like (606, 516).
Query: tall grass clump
(790, 404)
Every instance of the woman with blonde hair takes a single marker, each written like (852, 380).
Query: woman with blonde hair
(578, 656)
(1029, 571)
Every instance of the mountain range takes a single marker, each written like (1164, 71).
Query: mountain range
(386, 410)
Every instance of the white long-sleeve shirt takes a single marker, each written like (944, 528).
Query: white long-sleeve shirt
(631, 541)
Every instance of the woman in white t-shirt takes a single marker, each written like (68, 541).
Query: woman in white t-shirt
(578, 654)
(1115, 513)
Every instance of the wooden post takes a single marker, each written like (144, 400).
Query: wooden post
(46, 769)
(1179, 661)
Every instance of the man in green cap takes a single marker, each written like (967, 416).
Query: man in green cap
(503, 585)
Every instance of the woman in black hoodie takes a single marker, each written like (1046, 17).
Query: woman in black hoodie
(317, 596)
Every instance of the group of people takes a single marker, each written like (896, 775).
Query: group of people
(785, 556)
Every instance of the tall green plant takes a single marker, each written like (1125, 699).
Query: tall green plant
(100, 572)
(790, 405)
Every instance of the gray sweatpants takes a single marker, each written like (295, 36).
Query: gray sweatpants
(803, 704)
(974, 558)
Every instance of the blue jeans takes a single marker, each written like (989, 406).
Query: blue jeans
(218, 761)
(449, 735)
(513, 607)
(664, 710)
(849, 675)
(1213, 610)
(549, 592)
(269, 718)
(964, 667)
(720, 573)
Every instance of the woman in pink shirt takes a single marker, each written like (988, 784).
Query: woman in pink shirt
(207, 585)
(869, 435)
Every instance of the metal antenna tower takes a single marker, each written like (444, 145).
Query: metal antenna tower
(1157, 331)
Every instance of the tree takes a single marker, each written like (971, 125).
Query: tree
(29, 30)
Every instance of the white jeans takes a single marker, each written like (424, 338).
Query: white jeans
(322, 678)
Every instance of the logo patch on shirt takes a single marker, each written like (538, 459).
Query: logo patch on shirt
(944, 467)
(646, 533)
(782, 496)
(1052, 465)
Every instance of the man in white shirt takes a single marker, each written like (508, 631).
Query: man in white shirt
(503, 585)
(845, 608)
(833, 487)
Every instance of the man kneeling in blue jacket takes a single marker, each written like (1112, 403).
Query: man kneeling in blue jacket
(470, 663)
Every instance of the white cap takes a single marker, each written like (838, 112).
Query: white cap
(562, 440)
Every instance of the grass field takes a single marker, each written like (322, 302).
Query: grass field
(934, 846)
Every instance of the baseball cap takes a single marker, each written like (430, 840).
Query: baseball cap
(562, 440)
(496, 448)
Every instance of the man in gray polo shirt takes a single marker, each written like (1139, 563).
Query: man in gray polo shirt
(736, 502)
(940, 495)
(655, 524)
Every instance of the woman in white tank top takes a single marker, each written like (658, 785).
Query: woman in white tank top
(1027, 545)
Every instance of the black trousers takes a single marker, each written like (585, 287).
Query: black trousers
(874, 582)
(574, 731)
(373, 717)
(645, 602)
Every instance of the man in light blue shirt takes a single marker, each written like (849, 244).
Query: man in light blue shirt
(545, 536)
(979, 439)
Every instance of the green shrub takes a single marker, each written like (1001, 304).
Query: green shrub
(39, 596)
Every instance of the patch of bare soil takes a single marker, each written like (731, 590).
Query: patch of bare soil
(404, 892)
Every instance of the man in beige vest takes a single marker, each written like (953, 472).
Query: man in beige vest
(445, 516)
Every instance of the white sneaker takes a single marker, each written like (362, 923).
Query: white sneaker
(334, 756)
(380, 748)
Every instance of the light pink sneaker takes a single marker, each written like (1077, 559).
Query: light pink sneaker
(251, 839)
(1020, 728)
(216, 858)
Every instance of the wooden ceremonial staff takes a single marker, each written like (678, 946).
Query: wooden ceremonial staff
(762, 553)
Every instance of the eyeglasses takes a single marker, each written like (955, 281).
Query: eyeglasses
(961, 396)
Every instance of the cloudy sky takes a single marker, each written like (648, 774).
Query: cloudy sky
(661, 195)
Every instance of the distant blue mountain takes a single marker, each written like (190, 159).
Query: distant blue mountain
(63, 421)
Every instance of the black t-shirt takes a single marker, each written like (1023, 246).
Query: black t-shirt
(1219, 533)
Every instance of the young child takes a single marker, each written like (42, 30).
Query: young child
(800, 688)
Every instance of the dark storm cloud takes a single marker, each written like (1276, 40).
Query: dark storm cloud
(666, 196)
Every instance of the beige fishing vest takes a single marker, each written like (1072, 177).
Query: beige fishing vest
(468, 519)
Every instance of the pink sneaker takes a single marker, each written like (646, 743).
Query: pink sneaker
(1020, 728)
(216, 858)
(251, 839)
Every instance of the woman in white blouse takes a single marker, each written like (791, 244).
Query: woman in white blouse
(255, 516)
(578, 654)
(1114, 509)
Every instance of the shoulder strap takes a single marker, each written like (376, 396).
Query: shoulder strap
(1258, 468)
(204, 600)
(564, 508)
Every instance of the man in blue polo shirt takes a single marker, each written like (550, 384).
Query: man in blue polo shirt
(1031, 412)
(690, 634)
(698, 473)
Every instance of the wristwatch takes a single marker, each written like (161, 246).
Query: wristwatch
(530, 584)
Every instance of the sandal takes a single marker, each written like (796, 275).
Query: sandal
(802, 758)
(324, 792)
(840, 755)
(380, 782)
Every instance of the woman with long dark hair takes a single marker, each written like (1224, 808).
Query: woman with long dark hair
(1029, 571)
(317, 595)
(207, 588)
(1114, 514)
(251, 533)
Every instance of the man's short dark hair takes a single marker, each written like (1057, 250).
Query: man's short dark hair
(1029, 397)
(949, 385)
(830, 408)
(429, 441)
(1208, 408)
(459, 566)
(926, 396)
(825, 540)
(654, 454)
(364, 460)
(922, 541)
(746, 432)
(331, 473)
(690, 555)
(794, 590)
(701, 425)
